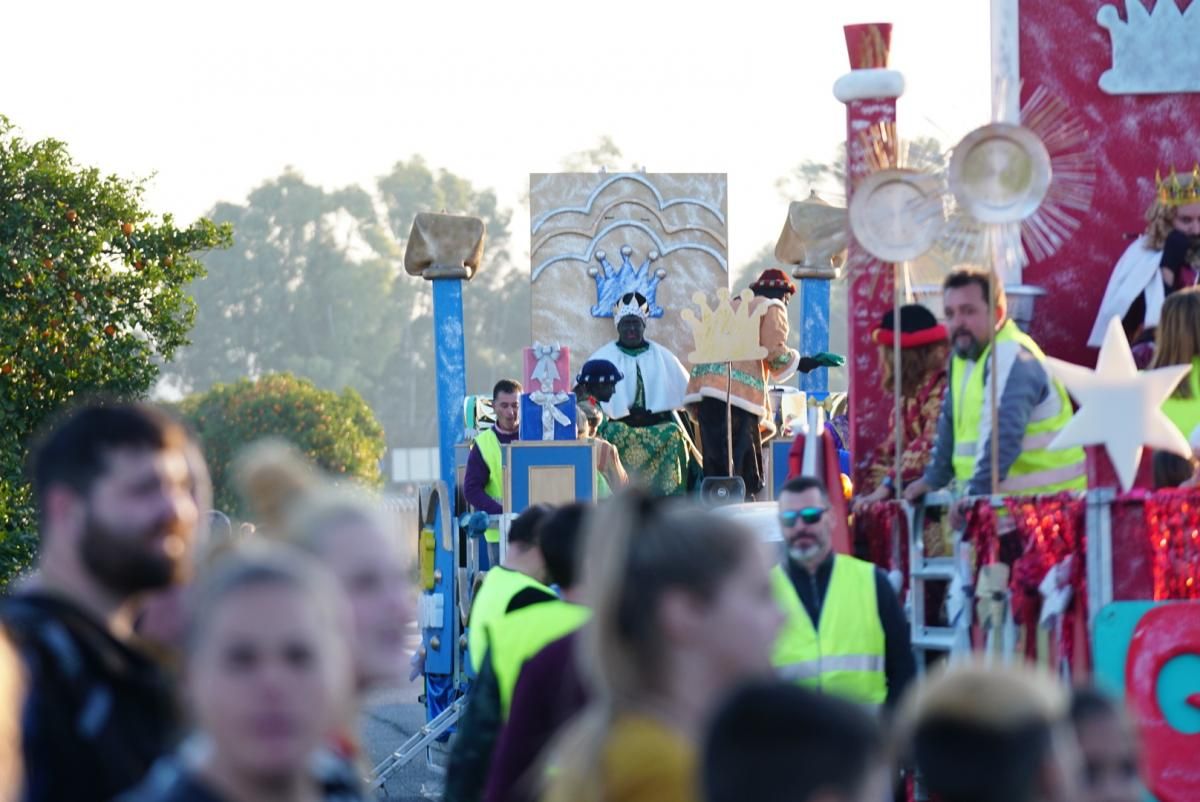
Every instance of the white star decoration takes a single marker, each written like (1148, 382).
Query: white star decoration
(1119, 407)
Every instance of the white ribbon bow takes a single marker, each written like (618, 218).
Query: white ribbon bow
(551, 414)
(545, 372)
(1056, 592)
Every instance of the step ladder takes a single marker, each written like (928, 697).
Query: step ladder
(953, 640)
(421, 740)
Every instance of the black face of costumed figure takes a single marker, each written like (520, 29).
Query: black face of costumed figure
(602, 392)
(631, 331)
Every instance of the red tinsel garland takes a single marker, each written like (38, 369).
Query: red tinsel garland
(876, 527)
(1051, 529)
(1048, 528)
(1173, 526)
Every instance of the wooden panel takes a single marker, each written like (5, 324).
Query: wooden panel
(551, 484)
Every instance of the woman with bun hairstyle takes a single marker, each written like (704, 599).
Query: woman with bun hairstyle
(345, 528)
(682, 610)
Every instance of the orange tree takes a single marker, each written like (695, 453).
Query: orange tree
(91, 301)
(338, 432)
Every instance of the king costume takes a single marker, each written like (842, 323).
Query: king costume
(639, 416)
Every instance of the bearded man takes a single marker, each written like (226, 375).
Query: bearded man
(118, 511)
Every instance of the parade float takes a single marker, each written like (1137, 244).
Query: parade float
(1090, 102)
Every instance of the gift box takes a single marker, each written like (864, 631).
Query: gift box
(547, 416)
(547, 368)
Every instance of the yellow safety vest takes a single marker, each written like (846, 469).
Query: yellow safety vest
(844, 654)
(1037, 470)
(489, 448)
(518, 636)
(499, 587)
(1185, 412)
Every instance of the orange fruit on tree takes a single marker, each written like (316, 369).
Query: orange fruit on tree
(110, 329)
(72, 215)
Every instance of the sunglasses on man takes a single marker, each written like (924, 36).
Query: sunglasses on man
(809, 515)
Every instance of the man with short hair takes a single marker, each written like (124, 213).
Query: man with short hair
(483, 482)
(512, 640)
(992, 734)
(844, 630)
(117, 514)
(1032, 407)
(771, 742)
(518, 581)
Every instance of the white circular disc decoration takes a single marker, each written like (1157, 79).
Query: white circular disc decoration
(1000, 173)
(896, 215)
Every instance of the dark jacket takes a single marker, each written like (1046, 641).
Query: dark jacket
(98, 713)
(549, 693)
(169, 781)
(479, 728)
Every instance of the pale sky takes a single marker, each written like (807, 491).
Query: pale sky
(215, 97)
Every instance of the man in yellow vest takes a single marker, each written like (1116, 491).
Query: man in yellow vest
(512, 640)
(483, 482)
(844, 631)
(1032, 407)
(519, 581)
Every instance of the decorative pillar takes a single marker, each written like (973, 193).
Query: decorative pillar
(445, 250)
(869, 91)
(812, 242)
(814, 329)
(451, 369)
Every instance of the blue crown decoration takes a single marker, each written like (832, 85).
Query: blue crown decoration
(612, 283)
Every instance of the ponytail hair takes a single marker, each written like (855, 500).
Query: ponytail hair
(638, 549)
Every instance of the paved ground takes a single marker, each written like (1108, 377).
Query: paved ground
(387, 724)
(387, 721)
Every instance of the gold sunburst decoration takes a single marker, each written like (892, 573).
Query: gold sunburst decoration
(1018, 192)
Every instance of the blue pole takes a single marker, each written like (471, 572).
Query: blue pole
(450, 353)
(451, 375)
(814, 333)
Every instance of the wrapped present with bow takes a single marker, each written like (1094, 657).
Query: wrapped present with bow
(547, 368)
(547, 416)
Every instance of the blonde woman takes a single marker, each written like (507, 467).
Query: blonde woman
(682, 610)
(1161, 261)
(268, 674)
(1177, 342)
(345, 528)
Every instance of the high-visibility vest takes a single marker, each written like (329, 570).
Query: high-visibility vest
(491, 601)
(489, 448)
(1185, 412)
(844, 653)
(1037, 470)
(518, 636)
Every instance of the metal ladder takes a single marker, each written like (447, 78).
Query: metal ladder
(948, 640)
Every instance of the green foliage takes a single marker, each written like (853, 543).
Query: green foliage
(91, 301)
(336, 431)
(314, 287)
